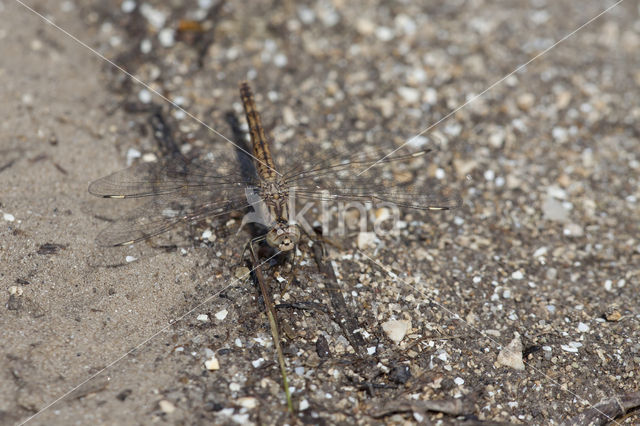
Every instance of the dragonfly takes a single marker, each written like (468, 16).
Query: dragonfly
(183, 191)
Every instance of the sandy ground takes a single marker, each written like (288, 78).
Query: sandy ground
(544, 248)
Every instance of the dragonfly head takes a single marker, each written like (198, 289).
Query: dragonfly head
(283, 236)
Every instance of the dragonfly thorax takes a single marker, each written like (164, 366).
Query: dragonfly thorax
(283, 236)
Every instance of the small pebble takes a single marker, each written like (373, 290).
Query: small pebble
(203, 317)
(220, 315)
(517, 275)
(212, 364)
(241, 419)
(489, 175)
(384, 33)
(613, 315)
(511, 355)
(554, 210)
(144, 96)
(242, 272)
(569, 348)
(166, 406)
(167, 37)
(525, 101)
(396, 329)
(132, 154)
(418, 141)
(573, 230)
(16, 290)
(280, 60)
(540, 252)
(304, 404)
(409, 94)
(155, 17)
(128, 6)
(145, 46)
(248, 402)
(367, 240)
(8, 217)
(582, 327)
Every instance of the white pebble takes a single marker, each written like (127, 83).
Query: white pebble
(540, 252)
(554, 210)
(371, 350)
(560, 134)
(458, 381)
(396, 329)
(144, 96)
(366, 240)
(384, 33)
(418, 141)
(241, 419)
(573, 230)
(489, 175)
(212, 364)
(582, 327)
(557, 192)
(257, 363)
(203, 317)
(304, 404)
(128, 6)
(154, 16)
(132, 154)
(16, 290)
(8, 217)
(220, 315)
(280, 60)
(248, 402)
(517, 275)
(130, 259)
(511, 355)
(569, 348)
(409, 94)
(166, 406)
(608, 285)
(145, 46)
(167, 37)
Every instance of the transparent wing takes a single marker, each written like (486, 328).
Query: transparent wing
(175, 175)
(161, 214)
(180, 192)
(367, 176)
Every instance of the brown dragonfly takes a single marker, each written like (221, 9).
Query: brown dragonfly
(188, 191)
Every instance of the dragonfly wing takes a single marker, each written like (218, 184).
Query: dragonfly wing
(364, 177)
(160, 214)
(159, 178)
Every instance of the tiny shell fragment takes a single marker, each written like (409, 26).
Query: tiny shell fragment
(511, 355)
